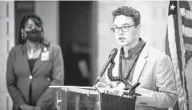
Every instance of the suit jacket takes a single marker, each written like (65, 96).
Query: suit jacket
(154, 71)
(45, 73)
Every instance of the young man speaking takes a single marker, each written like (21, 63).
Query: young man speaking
(136, 61)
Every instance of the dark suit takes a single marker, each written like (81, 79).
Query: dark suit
(45, 73)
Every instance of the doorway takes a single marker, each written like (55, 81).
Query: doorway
(76, 31)
(22, 8)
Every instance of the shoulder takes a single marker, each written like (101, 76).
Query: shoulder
(55, 50)
(15, 48)
(160, 57)
(55, 47)
(156, 53)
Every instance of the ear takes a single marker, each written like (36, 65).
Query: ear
(22, 30)
(138, 29)
(42, 34)
(23, 33)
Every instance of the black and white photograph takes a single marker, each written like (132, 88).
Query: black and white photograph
(96, 55)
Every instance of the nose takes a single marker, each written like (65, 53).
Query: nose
(120, 32)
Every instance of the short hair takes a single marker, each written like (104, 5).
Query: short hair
(38, 21)
(129, 12)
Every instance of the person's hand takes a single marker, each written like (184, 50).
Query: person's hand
(27, 107)
(118, 90)
(115, 91)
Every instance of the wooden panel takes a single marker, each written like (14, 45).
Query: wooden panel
(4, 31)
(6, 42)
(6, 27)
(4, 9)
(3, 102)
(6, 102)
(5, 99)
(3, 60)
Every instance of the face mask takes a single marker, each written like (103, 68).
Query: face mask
(33, 35)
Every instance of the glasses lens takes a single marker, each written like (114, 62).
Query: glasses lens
(125, 28)
(116, 29)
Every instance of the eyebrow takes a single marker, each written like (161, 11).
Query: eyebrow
(123, 24)
(126, 24)
(115, 25)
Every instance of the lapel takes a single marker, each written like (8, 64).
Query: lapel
(140, 64)
(39, 62)
(24, 59)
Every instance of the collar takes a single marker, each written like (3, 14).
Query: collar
(135, 50)
(24, 48)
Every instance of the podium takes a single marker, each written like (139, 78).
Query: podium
(90, 98)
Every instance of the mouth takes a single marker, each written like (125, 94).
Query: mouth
(121, 39)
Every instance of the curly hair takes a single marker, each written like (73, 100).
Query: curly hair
(129, 12)
(38, 21)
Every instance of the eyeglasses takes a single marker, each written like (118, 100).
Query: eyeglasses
(123, 28)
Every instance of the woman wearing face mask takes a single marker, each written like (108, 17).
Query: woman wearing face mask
(32, 67)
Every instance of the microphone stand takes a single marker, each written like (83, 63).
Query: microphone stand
(102, 72)
(109, 61)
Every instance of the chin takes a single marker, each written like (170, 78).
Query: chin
(122, 44)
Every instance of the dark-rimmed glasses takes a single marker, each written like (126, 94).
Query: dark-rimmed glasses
(123, 28)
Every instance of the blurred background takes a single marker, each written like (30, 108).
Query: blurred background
(82, 29)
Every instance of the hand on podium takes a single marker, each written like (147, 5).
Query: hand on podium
(108, 89)
(115, 91)
(103, 85)
(119, 90)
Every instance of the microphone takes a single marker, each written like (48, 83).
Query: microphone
(111, 57)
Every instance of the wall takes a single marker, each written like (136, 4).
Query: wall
(48, 11)
(7, 33)
(153, 22)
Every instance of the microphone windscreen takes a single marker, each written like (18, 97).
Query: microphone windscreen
(114, 53)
